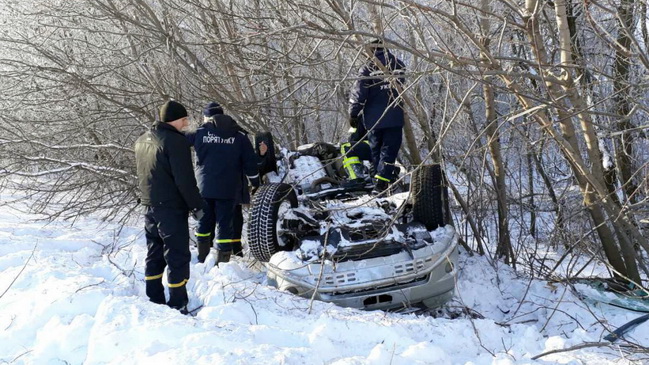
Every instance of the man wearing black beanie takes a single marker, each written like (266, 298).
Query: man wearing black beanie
(169, 192)
(171, 111)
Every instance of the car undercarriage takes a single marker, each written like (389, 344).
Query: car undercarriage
(324, 236)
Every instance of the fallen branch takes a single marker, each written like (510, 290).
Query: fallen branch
(21, 271)
(576, 347)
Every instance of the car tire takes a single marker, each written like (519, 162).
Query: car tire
(429, 196)
(263, 240)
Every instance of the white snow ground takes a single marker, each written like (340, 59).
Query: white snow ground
(75, 294)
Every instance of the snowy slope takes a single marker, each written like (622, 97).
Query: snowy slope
(76, 295)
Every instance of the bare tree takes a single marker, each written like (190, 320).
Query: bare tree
(520, 101)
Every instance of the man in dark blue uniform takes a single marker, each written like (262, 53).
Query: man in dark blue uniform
(168, 191)
(223, 154)
(375, 100)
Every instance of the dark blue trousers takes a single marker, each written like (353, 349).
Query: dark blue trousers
(237, 221)
(219, 215)
(385, 144)
(167, 239)
(361, 150)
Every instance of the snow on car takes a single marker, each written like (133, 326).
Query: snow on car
(323, 236)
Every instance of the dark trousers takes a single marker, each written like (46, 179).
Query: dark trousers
(167, 240)
(237, 225)
(237, 222)
(385, 144)
(360, 149)
(219, 215)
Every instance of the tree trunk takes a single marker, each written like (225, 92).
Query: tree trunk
(504, 248)
(530, 188)
(621, 92)
(594, 154)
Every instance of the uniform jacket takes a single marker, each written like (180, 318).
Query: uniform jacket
(374, 97)
(164, 169)
(223, 154)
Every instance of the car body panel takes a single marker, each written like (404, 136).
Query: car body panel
(398, 280)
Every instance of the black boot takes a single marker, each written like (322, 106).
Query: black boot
(380, 187)
(223, 256)
(155, 291)
(178, 299)
(237, 249)
(204, 246)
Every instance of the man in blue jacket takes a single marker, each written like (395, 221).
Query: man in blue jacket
(223, 154)
(168, 191)
(374, 99)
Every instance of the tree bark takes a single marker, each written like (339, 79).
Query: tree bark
(504, 249)
(621, 89)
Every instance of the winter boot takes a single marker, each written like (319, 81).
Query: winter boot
(222, 256)
(237, 249)
(178, 299)
(155, 291)
(380, 187)
(360, 170)
(204, 246)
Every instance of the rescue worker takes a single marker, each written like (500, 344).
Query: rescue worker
(374, 102)
(168, 191)
(223, 154)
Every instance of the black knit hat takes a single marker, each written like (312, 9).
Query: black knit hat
(171, 111)
(212, 109)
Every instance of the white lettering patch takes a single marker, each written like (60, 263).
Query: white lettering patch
(213, 138)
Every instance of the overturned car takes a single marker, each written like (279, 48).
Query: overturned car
(323, 236)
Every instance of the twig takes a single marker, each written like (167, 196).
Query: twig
(554, 310)
(573, 348)
(322, 267)
(89, 285)
(193, 311)
(19, 356)
(21, 270)
(13, 317)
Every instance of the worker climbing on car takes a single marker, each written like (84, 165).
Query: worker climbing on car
(376, 104)
(223, 154)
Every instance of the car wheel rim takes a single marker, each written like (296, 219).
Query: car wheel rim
(283, 210)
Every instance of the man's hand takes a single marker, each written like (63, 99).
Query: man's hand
(262, 148)
(353, 122)
(197, 214)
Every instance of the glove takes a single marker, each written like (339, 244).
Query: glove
(353, 122)
(197, 214)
